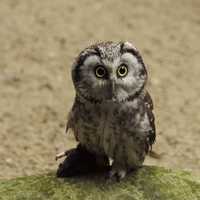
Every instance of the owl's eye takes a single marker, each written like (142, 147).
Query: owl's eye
(122, 71)
(100, 72)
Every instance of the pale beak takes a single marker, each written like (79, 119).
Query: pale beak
(113, 88)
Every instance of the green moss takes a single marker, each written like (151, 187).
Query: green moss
(148, 183)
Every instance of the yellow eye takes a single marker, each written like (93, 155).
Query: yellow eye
(122, 71)
(100, 72)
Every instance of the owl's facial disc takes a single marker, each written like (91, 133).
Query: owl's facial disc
(111, 73)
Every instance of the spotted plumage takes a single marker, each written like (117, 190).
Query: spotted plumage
(112, 115)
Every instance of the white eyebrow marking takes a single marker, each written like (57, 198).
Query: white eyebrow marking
(91, 60)
(130, 58)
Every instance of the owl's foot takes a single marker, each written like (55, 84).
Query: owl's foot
(117, 174)
(78, 162)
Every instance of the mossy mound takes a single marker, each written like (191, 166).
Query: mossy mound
(148, 183)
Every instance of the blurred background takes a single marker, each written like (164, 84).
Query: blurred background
(38, 42)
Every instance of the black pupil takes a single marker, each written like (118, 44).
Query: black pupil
(122, 70)
(100, 71)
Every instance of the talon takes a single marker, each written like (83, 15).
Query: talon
(121, 174)
(117, 174)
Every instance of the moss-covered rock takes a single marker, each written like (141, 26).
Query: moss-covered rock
(148, 183)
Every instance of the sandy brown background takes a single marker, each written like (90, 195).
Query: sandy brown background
(38, 41)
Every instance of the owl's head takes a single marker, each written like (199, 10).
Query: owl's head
(109, 71)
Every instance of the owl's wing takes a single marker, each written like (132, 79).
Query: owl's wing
(71, 121)
(149, 110)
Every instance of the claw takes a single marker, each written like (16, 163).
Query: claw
(117, 174)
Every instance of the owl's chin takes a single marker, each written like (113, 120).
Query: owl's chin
(120, 100)
(115, 99)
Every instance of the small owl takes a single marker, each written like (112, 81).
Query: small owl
(112, 116)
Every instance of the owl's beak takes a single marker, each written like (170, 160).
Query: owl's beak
(113, 92)
(113, 87)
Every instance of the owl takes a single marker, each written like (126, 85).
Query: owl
(112, 115)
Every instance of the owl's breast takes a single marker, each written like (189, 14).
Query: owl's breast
(94, 124)
(88, 125)
(103, 127)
